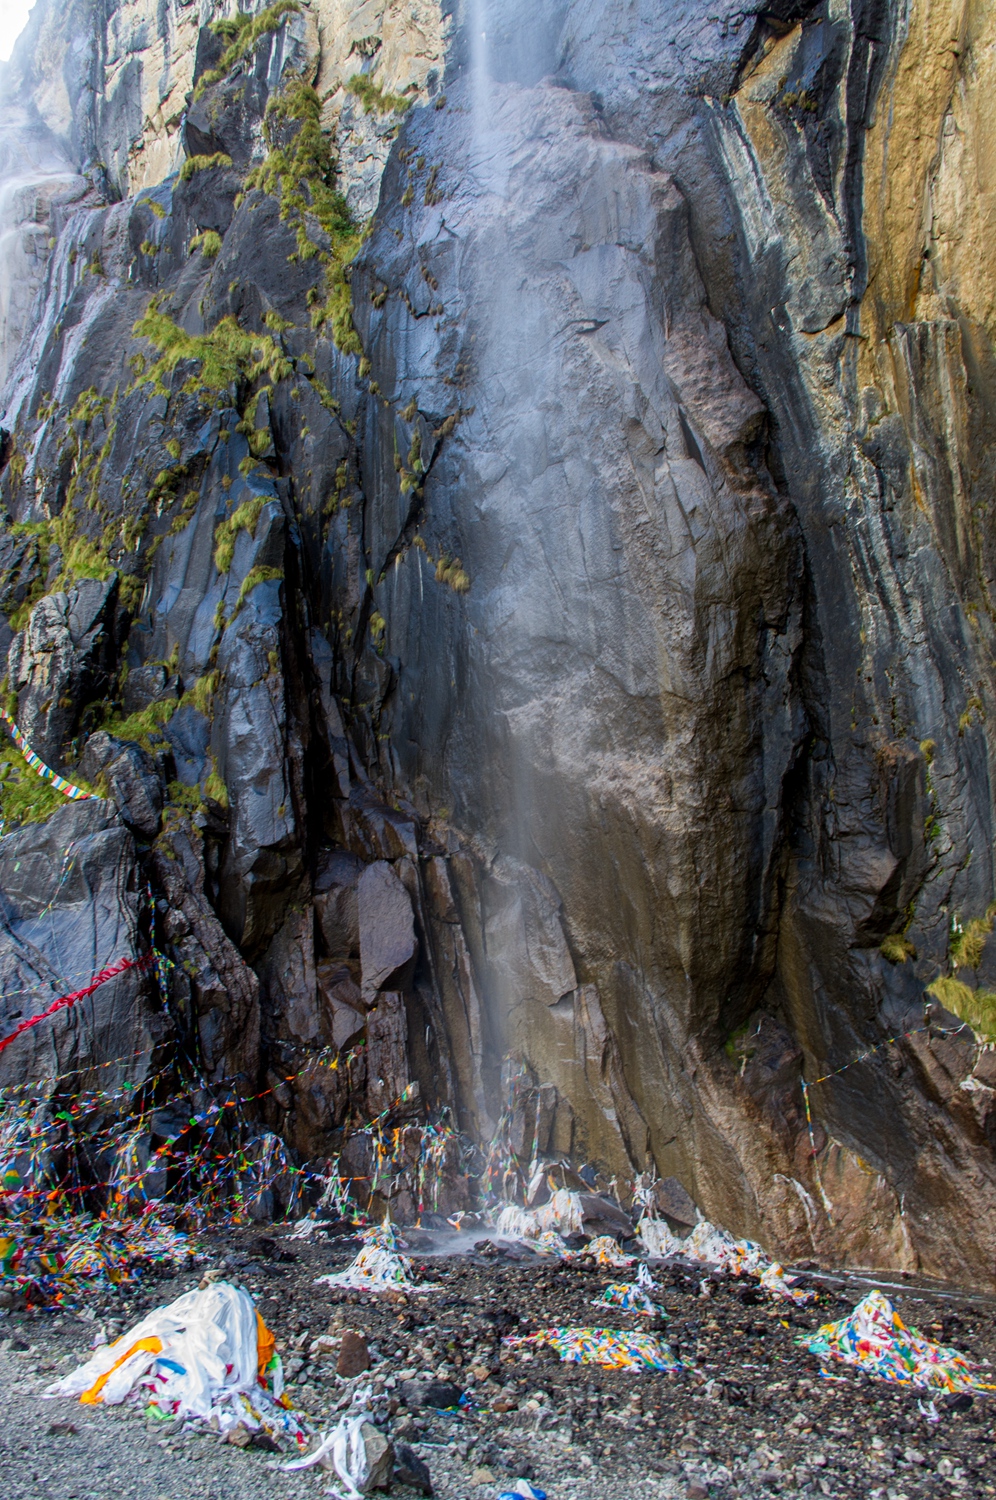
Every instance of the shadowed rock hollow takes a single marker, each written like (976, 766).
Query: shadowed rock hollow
(556, 626)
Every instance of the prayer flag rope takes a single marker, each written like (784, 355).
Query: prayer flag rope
(74, 793)
(65, 1001)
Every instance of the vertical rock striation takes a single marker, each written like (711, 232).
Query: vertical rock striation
(553, 625)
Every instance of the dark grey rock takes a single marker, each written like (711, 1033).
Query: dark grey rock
(125, 773)
(189, 735)
(411, 1470)
(672, 1199)
(60, 660)
(626, 619)
(436, 1393)
(219, 988)
(69, 907)
(386, 929)
(336, 903)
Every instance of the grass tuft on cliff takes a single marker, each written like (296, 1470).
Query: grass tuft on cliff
(145, 727)
(242, 32)
(301, 174)
(223, 357)
(195, 164)
(242, 519)
(975, 1007)
(252, 580)
(24, 796)
(374, 99)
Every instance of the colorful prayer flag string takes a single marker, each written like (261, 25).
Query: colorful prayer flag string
(74, 793)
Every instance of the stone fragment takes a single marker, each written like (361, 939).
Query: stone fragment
(239, 1437)
(379, 1456)
(672, 1199)
(411, 1470)
(354, 1356)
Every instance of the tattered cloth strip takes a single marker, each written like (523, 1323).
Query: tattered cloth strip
(717, 1247)
(563, 1214)
(208, 1355)
(378, 1267)
(658, 1240)
(775, 1279)
(604, 1251)
(75, 793)
(65, 1001)
(632, 1296)
(875, 1339)
(552, 1243)
(602, 1346)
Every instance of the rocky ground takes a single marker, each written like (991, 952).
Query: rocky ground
(755, 1419)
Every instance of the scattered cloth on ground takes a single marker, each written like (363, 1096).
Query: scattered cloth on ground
(631, 1296)
(874, 1338)
(208, 1355)
(305, 1228)
(710, 1245)
(774, 1279)
(658, 1240)
(717, 1247)
(551, 1243)
(608, 1347)
(605, 1252)
(378, 1267)
(355, 1449)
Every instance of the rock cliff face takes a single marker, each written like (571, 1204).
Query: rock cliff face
(556, 626)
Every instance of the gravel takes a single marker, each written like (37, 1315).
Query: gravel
(757, 1419)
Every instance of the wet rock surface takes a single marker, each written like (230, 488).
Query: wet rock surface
(757, 1419)
(557, 624)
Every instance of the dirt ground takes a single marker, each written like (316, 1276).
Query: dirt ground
(755, 1418)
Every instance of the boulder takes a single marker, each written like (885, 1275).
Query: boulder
(672, 1199)
(354, 1356)
(604, 1216)
(379, 1458)
(411, 1470)
(388, 945)
(440, 1394)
